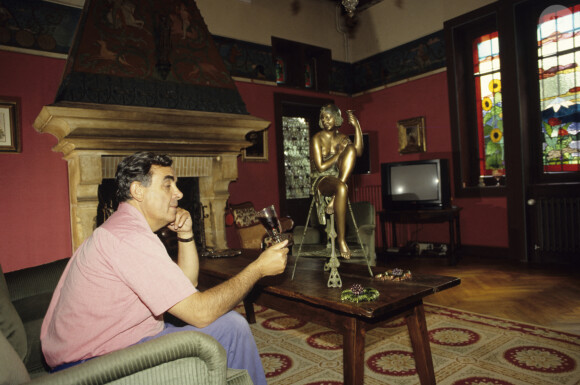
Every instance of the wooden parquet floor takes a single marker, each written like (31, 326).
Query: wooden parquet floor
(545, 296)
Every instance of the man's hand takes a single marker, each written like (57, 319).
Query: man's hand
(273, 260)
(183, 222)
(203, 307)
(187, 258)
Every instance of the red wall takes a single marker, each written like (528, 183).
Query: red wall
(35, 226)
(483, 220)
(258, 181)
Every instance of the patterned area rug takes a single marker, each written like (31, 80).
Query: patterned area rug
(467, 349)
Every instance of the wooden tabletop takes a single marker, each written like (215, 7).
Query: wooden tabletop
(310, 284)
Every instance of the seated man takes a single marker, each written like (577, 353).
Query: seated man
(120, 281)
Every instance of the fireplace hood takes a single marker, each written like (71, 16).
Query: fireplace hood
(147, 77)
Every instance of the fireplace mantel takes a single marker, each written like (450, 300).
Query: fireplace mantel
(89, 133)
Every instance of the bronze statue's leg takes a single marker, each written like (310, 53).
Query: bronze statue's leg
(345, 166)
(346, 163)
(340, 201)
(331, 186)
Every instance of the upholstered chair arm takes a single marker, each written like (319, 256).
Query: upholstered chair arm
(286, 223)
(251, 237)
(311, 237)
(179, 358)
(367, 229)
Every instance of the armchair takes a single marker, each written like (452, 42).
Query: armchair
(250, 231)
(365, 216)
(179, 358)
(316, 238)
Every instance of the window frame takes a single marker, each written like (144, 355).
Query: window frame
(526, 25)
(459, 36)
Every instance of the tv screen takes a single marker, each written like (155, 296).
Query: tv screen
(422, 184)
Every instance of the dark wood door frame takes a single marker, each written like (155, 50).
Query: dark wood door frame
(527, 182)
(284, 101)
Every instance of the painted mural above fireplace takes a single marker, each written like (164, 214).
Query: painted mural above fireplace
(150, 53)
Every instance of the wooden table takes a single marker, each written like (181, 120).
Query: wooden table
(450, 215)
(308, 298)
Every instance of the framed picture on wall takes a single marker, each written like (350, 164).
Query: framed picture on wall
(412, 135)
(258, 151)
(9, 124)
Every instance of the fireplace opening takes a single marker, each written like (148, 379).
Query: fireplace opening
(189, 186)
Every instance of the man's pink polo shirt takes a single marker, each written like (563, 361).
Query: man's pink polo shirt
(113, 292)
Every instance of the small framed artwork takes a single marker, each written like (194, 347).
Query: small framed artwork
(412, 135)
(258, 151)
(9, 124)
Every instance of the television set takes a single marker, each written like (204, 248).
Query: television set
(416, 185)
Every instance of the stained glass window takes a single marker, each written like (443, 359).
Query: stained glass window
(296, 157)
(558, 58)
(487, 76)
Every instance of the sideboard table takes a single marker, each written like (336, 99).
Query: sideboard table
(450, 215)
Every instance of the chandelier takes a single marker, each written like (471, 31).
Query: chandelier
(350, 6)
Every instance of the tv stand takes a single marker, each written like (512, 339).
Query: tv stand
(450, 215)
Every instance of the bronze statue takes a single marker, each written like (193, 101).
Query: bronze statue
(334, 155)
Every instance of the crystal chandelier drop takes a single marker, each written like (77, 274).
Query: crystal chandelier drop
(350, 6)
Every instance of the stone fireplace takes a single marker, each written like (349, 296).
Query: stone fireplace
(147, 76)
(94, 138)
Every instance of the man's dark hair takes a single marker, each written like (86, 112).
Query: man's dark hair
(137, 167)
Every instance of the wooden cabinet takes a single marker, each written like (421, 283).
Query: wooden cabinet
(301, 65)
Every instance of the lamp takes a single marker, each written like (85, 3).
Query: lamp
(350, 6)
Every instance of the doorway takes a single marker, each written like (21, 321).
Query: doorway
(296, 122)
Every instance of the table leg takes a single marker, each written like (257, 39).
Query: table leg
(394, 232)
(452, 243)
(249, 308)
(417, 327)
(458, 232)
(353, 353)
(383, 232)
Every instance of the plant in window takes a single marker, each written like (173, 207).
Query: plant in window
(558, 138)
(493, 127)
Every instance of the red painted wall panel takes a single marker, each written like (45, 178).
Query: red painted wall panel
(35, 225)
(258, 181)
(34, 212)
(483, 220)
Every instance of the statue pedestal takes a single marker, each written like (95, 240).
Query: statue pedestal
(332, 265)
